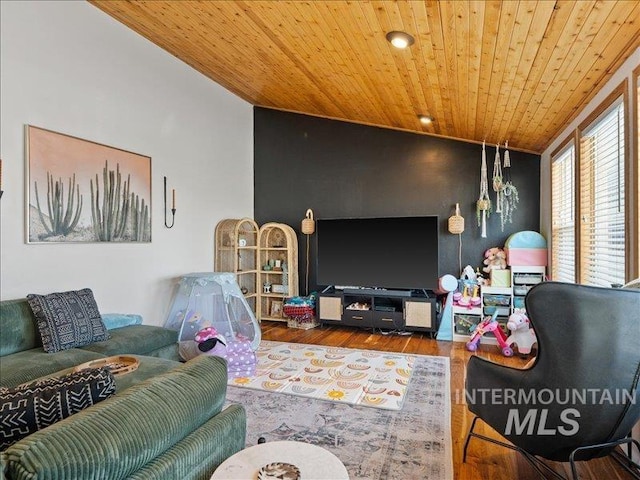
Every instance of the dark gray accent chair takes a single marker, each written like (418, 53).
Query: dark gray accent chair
(583, 385)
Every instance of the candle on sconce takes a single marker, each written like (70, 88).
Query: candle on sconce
(173, 204)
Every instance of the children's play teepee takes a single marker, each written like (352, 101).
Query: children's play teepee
(213, 302)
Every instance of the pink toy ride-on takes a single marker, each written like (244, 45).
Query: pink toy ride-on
(489, 324)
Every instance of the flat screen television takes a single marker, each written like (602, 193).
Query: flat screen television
(390, 252)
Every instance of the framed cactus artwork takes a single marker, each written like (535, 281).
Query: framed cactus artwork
(83, 191)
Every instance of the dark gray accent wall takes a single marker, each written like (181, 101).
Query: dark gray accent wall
(343, 170)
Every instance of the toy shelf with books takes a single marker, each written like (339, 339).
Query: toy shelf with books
(522, 279)
(505, 299)
(466, 318)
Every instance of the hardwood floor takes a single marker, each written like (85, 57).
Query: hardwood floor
(484, 460)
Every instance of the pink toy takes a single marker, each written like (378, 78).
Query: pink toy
(521, 333)
(489, 324)
(468, 298)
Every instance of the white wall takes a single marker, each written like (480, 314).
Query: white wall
(68, 67)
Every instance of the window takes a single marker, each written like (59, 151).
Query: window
(602, 198)
(635, 179)
(563, 215)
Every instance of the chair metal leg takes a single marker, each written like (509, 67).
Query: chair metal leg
(624, 461)
(466, 443)
(533, 460)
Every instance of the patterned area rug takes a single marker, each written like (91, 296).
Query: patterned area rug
(374, 444)
(346, 375)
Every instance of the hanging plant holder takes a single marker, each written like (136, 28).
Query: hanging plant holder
(510, 197)
(483, 205)
(497, 180)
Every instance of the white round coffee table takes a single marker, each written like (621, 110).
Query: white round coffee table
(315, 463)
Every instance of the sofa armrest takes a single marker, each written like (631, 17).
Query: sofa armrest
(197, 456)
(118, 436)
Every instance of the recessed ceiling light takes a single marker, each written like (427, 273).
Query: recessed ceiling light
(425, 119)
(400, 39)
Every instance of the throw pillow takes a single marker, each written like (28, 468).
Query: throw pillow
(29, 408)
(67, 319)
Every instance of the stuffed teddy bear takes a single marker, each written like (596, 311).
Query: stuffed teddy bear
(494, 259)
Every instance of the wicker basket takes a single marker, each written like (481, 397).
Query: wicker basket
(456, 222)
(308, 224)
(300, 316)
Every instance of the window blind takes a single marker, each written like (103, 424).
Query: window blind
(602, 198)
(563, 216)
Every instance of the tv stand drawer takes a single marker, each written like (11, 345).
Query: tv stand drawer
(388, 320)
(356, 317)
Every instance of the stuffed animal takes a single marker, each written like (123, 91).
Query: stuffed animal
(211, 343)
(494, 259)
(480, 278)
(521, 334)
(470, 295)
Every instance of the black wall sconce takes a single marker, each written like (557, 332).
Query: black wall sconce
(173, 205)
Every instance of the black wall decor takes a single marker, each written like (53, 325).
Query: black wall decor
(347, 170)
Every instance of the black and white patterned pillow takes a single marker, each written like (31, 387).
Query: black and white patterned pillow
(29, 408)
(67, 319)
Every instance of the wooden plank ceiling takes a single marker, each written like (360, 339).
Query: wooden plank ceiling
(514, 70)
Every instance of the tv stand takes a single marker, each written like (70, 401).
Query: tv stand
(403, 310)
(377, 291)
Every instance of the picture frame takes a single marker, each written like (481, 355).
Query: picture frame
(80, 191)
(276, 309)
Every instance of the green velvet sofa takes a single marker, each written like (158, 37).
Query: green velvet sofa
(165, 421)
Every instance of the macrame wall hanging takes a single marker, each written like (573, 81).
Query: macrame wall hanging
(483, 205)
(510, 199)
(497, 180)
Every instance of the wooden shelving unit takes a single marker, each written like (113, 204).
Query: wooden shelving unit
(277, 269)
(236, 251)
